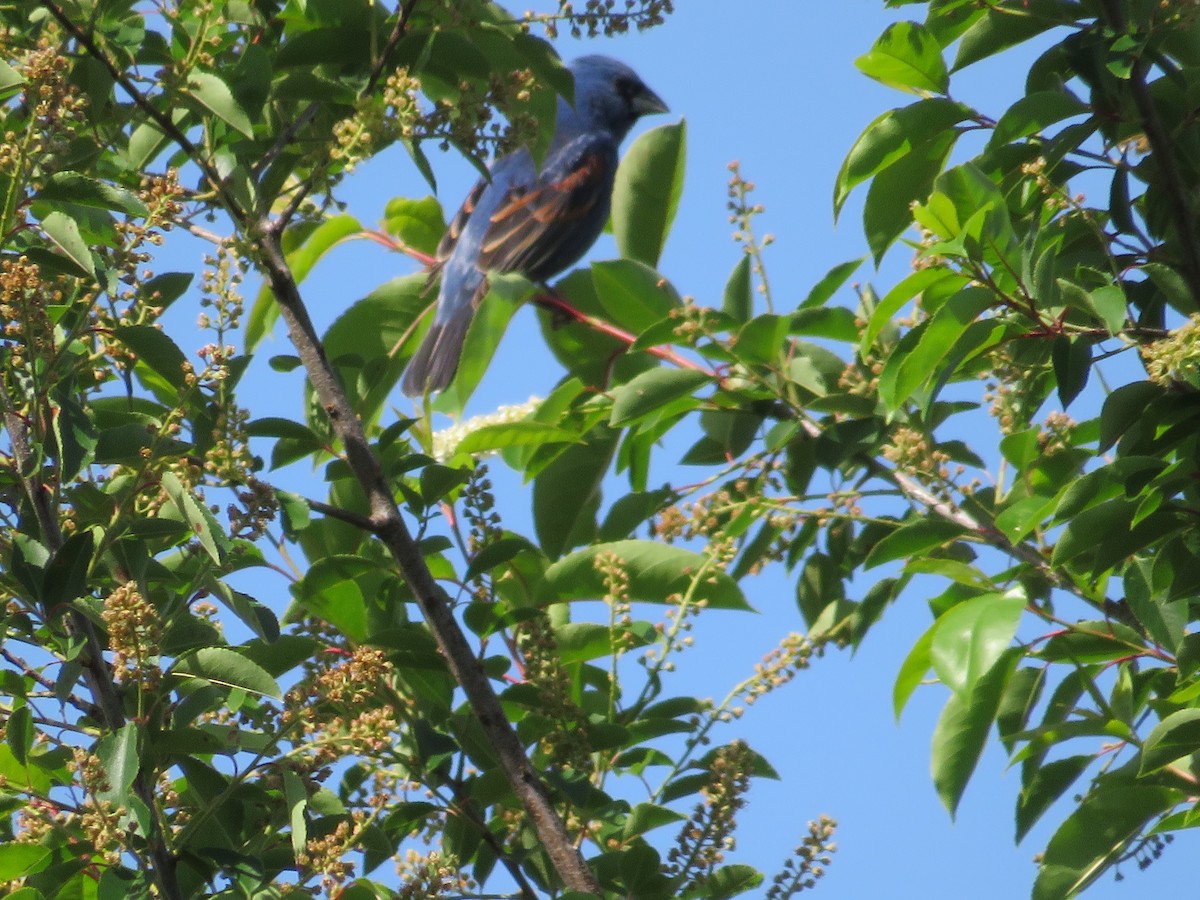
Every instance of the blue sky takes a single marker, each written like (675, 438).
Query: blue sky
(771, 83)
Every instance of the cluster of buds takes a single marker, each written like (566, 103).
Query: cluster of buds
(326, 855)
(565, 745)
(708, 833)
(794, 654)
(676, 632)
(134, 630)
(1056, 432)
(601, 17)
(28, 331)
(742, 212)
(432, 875)
(1176, 358)
(914, 452)
(55, 108)
(812, 857)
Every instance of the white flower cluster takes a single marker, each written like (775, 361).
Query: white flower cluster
(446, 441)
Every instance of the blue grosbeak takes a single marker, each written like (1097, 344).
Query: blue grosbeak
(538, 223)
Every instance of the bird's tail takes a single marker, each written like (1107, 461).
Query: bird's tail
(436, 360)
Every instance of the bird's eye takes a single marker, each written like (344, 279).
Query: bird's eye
(628, 88)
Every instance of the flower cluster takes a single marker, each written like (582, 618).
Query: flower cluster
(565, 745)
(1176, 358)
(54, 108)
(446, 441)
(432, 875)
(134, 631)
(742, 213)
(602, 17)
(913, 452)
(28, 331)
(708, 833)
(812, 857)
(780, 666)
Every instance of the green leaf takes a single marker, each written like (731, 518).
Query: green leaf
(887, 212)
(656, 571)
(566, 493)
(1175, 736)
(908, 57)
(962, 730)
(893, 136)
(19, 733)
(632, 294)
(74, 187)
(905, 372)
(912, 539)
(363, 341)
(650, 391)
(1032, 113)
(75, 435)
(727, 881)
(1096, 834)
(895, 299)
(118, 754)
(10, 81)
(1124, 407)
(488, 438)
(584, 641)
(64, 232)
(330, 590)
(824, 289)
(156, 350)
(66, 576)
(197, 516)
(1001, 29)
(228, 668)
(496, 554)
(214, 94)
(21, 860)
(20, 775)
(415, 223)
(739, 294)
(913, 670)
(1173, 286)
(295, 795)
(646, 195)
(1048, 783)
(1072, 364)
(972, 636)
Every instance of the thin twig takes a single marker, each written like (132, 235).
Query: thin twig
(342, 515)
(88, 709)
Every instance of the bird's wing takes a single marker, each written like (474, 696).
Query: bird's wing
(455, 229)
(536, 229)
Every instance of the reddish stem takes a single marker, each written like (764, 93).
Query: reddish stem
(558, 304)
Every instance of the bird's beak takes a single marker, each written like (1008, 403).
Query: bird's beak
(648, 103)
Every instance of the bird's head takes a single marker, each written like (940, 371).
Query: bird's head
(610, 94)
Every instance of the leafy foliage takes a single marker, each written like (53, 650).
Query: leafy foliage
(480, 704)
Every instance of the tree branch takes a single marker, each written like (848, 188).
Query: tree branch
(1175, 190)
(392, 531)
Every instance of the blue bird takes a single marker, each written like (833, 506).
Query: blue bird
(534, 222)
